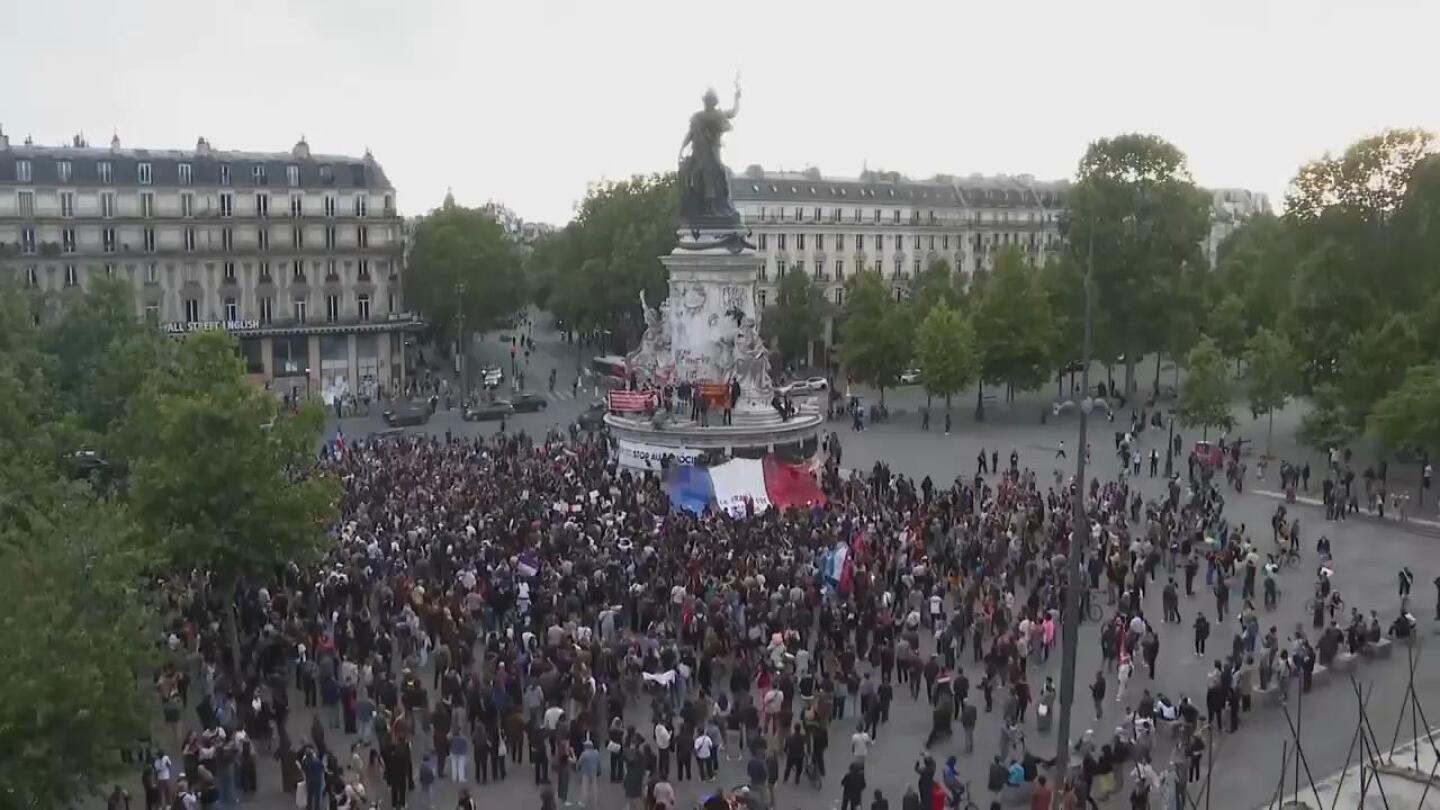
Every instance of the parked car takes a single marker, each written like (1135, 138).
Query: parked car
(910, 376)
(528, 402)
(593, 417)
(811, 385)
(489, 411)
(408, 414)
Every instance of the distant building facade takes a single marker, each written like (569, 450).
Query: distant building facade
(298, 255)
(519, 230)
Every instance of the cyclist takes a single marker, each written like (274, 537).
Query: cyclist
(953, 786)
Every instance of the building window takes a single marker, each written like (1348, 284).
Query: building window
(258, 173)
(227, 238)
(899, 267)
(297, 206)
(763, 241)
(152, 314)
(227, 205)
(224, 174)
(72, 276)
(147, 240)
(839, 241)
(187, 204)
(330, 237)
(25, 203)
(109, 270)
(292, 175)
(390, 302)
(362, 306)
(65, 169)
(879, 242)
(329, 205)
(899, 243)
(144, 173)
(190, 239)
(267, 309)
(332, 308)
(192, 310)
(262, 238)
(32, 276)
(799, 214)
(297, 237)
(932, 241)
(107, 205)
(22, 171)
(389, 205)
(779, 268)
(262, 205)
(362, 237)
(877, 216)
(264, 272)
(835, 215)
(27, 241)
(106, 170)
(896, 216)
(147, 204)
(152, 273)
(298, 309)
(107, 239)
(67, 204)
(799, 241)
(839, 269)
(229, 271)
(800, 268)
(839, 296)
(232, 310)
(67, 240)
(944, 242)
(187, 174)
(917, 268)
(330, 274)
(760, 297)
(363, 270)
(916, 242)
(327, 175)
(819, 241)
(297, 273)
(780, 241)
(361, 205)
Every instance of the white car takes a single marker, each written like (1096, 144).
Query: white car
(812, 385)
(910, 376)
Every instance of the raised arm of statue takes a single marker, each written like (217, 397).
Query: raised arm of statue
(735, 106)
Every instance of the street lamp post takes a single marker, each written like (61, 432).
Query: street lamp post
(1169, 446)
(1079, 535)
(464, 346)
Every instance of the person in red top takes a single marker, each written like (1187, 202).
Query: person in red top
(937, 796)
(1040, 799)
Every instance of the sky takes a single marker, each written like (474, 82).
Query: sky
(527, 102)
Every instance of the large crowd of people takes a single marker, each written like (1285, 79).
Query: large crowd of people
(517, 608)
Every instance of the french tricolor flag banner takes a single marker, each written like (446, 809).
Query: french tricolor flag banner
(761, 483)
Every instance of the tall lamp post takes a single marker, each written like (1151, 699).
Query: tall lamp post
(464, 346)
(1079, 535)
(1169, 446)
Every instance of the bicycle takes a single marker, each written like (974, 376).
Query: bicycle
(953, 802)
(1289, 558)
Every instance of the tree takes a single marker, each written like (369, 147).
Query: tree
(1369, 179)
(797, 317)
(1226, 326)
(1328, 425)
(247, 504)
(73, 628)
(1257, 262)
(876, 334)
(946, 350)
(933, 286)
(1064, 284)
(1012, 326)
(1409, 416)
(1134, 205)
(463, 266)
(1373, 363)
(1205, 397)
(1273, 376)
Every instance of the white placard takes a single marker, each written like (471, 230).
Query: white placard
(641, 456)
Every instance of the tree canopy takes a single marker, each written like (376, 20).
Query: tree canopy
(946, 351)
(1013, 324)
(797, 317)
(1205, 397)
(877, 332)
(462, 264)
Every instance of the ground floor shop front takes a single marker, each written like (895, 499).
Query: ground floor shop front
(340, 364)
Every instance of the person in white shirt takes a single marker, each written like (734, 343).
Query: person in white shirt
(860, 746)
(704, 749)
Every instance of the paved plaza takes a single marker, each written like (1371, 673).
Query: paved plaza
(1367, 552)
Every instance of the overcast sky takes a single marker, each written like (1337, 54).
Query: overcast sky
(528, 101)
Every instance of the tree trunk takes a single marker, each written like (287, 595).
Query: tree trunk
(980, 401)
(1157, 375)
(1130, 383)
(1269, 431)
(882, 396)
(1060, 384)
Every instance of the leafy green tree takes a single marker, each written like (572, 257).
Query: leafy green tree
(1257, 263)
(73, 627)
(1331, 299)
(1370, 178)
(798, 316)
(876, 334)
(1373, 363)
(935, 285)
(1135, 206)
(1409, 416)
(1205, 397)
(1012, 326)
(250, 500)
(463, 267)
(1227, 327)
(946, 350)
(1063, 281)
(1274, 376)
(1328, 425)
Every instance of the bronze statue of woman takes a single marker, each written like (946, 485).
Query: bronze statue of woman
(704, 180)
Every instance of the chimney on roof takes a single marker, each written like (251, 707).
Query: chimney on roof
(79, 141)
(114, 140)
(202, 146)
(29, 141)
(369, 157)
(4, 139)
(301, 150)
